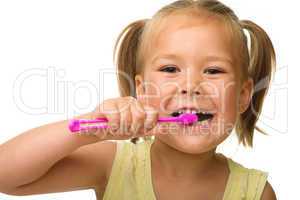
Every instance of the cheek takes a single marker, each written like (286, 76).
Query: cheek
(227, 105)
(159, 93)
(155, 92)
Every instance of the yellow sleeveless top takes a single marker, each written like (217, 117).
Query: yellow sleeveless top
(130, 177)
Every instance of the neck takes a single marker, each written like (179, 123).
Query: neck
(177, 164)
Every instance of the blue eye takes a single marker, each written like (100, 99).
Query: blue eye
(169, 69)
(213, 71)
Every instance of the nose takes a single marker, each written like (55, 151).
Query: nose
(191, 84)
(190, 92)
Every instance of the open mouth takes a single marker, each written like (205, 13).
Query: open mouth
(202, 116)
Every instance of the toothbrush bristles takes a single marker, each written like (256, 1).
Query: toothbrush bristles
(201, 116)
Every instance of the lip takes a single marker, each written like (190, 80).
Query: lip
(198, 126)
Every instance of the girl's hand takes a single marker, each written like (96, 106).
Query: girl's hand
(127, 118)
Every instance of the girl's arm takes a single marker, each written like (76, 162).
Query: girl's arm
(49, 159)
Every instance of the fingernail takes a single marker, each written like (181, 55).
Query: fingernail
(149, 127)
(114, 127)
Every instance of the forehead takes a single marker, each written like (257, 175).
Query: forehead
(191, 37)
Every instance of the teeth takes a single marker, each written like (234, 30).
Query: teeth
(185, 111)
(204, 123)
(192, 111)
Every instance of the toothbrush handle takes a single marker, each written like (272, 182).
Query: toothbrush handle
(74, 124)
(169, 119)
(93, 120)
(160, 119)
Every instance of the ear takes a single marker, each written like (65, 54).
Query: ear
(139, 85)
(245, 95)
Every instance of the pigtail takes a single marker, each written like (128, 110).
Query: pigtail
(261, 69)
(126, 55)
(125, 58)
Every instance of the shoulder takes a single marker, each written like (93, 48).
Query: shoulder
(256, 182)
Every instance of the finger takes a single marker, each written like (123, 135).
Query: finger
(151, 118)
(125, 117)
(138, 118)
(111, 112)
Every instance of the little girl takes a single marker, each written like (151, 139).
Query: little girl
(190, 57)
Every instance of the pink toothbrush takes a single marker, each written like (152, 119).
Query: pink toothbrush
(74, 124)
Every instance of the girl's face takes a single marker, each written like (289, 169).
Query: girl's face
(190, 65)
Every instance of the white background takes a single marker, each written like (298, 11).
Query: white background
(74, 40)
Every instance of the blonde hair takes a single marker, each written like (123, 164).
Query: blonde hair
(258, 64)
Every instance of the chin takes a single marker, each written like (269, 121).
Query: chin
(191, 144)
(195, 139)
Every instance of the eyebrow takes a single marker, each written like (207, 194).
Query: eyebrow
(207, 58)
